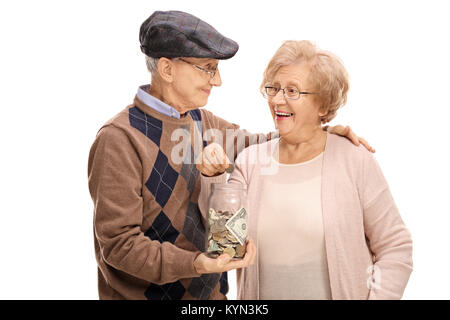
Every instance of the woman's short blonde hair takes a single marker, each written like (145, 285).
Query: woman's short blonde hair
(328, 77)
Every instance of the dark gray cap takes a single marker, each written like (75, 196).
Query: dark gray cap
(173, 34)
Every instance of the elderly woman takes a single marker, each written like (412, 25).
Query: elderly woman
(321, 213)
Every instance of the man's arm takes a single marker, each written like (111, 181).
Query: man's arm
(115, 184)
(349, 134)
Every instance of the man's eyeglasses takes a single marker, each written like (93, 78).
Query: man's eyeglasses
(291, 93)
(211, 73)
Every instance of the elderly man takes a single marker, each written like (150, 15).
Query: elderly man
(148, 230)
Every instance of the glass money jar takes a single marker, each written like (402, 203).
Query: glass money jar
(227, 225)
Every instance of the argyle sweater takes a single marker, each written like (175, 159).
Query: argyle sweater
(148, 229)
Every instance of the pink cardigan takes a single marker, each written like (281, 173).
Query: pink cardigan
(369, 248)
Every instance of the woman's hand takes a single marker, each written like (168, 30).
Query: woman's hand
(213, 160)
(349, 134)
(204, 264)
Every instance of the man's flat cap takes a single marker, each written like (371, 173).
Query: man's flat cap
(173, 34)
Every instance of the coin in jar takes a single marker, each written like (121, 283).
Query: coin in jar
(219, 235)
(240, 250)
(224, 241)
(230, 251)
(231, 238)
(216, 228)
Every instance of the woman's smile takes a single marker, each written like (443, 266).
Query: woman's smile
(283, 115)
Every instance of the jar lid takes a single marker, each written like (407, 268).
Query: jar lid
(229, 187)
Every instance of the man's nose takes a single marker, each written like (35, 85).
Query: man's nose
(216, 80)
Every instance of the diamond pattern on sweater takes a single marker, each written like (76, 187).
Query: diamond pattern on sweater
(193, 228)
(190, 173)
(224, 283)
(162, 179)
(162, 229)
(197, 117)
(202, 287)
(168, 291)
(151, 127)
(189, 170)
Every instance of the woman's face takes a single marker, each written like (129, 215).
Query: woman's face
(303, 116)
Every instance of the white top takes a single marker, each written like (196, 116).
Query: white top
(291, 242)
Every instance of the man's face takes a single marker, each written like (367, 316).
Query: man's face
(191, 84)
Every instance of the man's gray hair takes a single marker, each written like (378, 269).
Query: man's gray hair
(152, 65)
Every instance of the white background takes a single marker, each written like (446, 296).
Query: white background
(66, 67)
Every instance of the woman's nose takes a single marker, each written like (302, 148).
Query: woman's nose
(279, 97)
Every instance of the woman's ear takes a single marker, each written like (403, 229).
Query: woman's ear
(166, 69)
(323, 115)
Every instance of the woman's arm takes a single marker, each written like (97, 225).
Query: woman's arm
(389, 239)
(239, 174)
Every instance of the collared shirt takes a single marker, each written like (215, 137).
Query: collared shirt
(154, 103)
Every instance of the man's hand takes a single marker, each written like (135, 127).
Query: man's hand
(213, 160)
(349, 134)
(204, 264)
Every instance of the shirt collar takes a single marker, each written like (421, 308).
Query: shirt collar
(156, 104)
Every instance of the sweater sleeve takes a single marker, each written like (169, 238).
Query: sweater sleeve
(239, 174)
(115, 185)
(389, 239)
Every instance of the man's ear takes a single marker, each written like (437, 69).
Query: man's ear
(166, 69)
